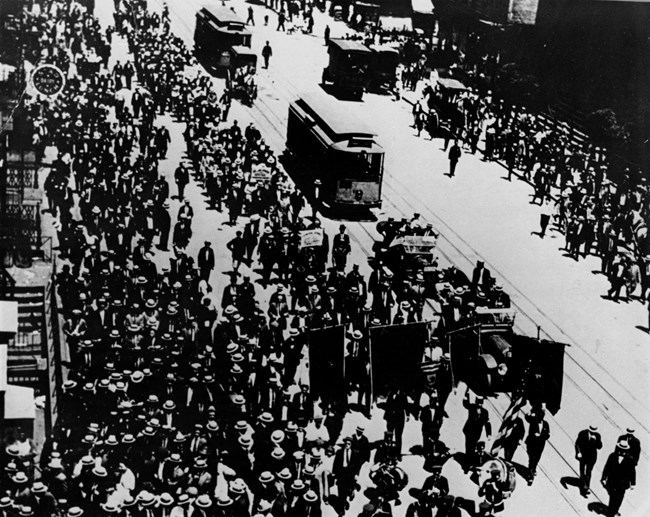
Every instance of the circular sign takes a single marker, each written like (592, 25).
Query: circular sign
(48, 80)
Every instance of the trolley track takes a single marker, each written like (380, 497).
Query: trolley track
(276, 122)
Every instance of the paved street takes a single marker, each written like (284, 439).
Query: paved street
(479, 215)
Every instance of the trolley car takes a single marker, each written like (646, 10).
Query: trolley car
(343, 160)
(218, 29)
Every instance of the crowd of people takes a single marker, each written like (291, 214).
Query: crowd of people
(571, 180)
(174, 406)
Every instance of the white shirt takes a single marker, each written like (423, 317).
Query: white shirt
(312, 433)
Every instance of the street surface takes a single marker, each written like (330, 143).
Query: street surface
(479, 216)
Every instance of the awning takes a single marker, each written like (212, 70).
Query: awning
(396, 23)
(19, 403)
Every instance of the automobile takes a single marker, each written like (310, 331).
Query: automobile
(383, 72)
(349, 65)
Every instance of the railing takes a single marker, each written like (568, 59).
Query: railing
(45, 249)
(52, 348)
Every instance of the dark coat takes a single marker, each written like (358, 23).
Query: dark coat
(587, 445)
(619, 472)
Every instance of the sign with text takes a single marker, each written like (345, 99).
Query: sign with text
(311, 238)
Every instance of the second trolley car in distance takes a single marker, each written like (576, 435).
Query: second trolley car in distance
(339, 160)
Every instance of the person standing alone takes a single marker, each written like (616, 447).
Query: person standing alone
(454, 156)
(267, 52)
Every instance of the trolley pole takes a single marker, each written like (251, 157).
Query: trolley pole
(314, 209)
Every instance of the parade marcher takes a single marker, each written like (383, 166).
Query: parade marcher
(634, 450)
(237, 249)
(619, 476)
(587, 445)
(538, 435)
(340, 248)
(205, 261)
(182, 178)
(477, 421)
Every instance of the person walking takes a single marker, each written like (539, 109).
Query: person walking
(587, 446)
(545, 217)
(454, 156)
(619, 475)
(182, 178)
(281, 19)
(538, 434)
(267, 52)
(206, 261)
(250, 20)
(477, 420)
(237, 249)
(341, 249)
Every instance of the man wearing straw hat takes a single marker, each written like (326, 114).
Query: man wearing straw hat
(587, 446)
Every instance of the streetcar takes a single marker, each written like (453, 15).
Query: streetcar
(349, 67)
(340, 163)
(218, 29)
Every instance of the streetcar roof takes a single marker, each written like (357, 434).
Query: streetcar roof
(347, 44)
(336, 116)
(221, 14)
(384, 48)
(241, 50)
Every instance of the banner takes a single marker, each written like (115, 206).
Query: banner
(540, 367)
(326, 363)
(396, 354)
(261, 174)
(311, 238)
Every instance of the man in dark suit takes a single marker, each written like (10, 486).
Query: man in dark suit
(538, 434)
(587, 445)
(301, 407)
(344, 471)
(182, 178)
(341, 249)
(454, 156)
(477, 420)
(237, 248)
(480, 277)
(230, 293)
(431, 418)
(436, 486)
(164, 223)
(635, 445)
(206, 261)
(619, 475)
